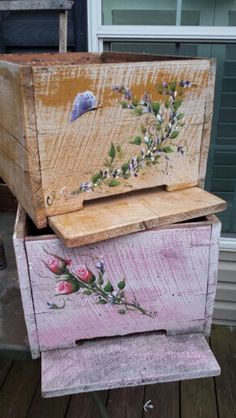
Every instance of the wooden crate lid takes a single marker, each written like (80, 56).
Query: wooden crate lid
(126, 361)
(113, 217)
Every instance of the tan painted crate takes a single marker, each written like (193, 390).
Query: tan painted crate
(76, 127)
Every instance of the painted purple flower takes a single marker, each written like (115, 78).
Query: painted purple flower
(83, 103)
(100, 266)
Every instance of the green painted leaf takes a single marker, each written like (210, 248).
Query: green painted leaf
(143, 129)
(167, 149)
(180, 116)
(177, 104)
(125, 168)
(156, 107)
(122, 311)
(124, 104)
(118, 148)
(96, 177)
(88, 292)
(172, 85)
(108, 288)
(113, 183)
(135, 101)
(138, 111)
(121, 284)
(102, 302)
(112, 151)
(167, 104)
(137, 140)
(174, 134)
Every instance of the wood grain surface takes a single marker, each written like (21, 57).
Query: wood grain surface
(25, 287)
(86, 141)
(124, 215)
(165, 270)
(45, 158)
(126, 361)
(7, 5)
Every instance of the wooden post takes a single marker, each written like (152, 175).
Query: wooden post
(63, 23)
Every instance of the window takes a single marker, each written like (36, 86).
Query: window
(184, 27)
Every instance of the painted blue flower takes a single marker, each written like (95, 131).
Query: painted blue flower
(100, 266)
(83, 103)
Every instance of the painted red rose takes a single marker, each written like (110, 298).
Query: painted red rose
(84, 274)
(57, 265)
(64, 288)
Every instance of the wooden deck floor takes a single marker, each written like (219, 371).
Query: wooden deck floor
(20, 395)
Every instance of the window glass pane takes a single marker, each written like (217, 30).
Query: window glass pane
(221, 170)
(139, 12)
(163, 12)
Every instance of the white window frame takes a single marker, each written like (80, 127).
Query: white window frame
(99, 33)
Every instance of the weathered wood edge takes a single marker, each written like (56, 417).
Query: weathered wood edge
(140, 372)
(24, 281)
(212, 273)
(38, 213)
(36, 5)
(63, 29)
(153, 218)
(206, 132)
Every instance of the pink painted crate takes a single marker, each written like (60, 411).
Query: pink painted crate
(114, 298)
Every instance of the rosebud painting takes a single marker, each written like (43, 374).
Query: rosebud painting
(73, 279)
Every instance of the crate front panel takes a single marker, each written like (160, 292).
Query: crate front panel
(153, 280)
(112, 149)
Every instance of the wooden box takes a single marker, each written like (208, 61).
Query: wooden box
(138, 307)
(76, 127)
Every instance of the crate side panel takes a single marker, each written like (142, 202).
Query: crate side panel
(19, 166)
(165, 274)
(24, 282)
(213, 272)
(98, 153)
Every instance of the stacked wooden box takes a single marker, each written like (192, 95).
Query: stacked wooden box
(110, 150)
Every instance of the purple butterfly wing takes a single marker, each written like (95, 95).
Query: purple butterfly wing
(83, 103)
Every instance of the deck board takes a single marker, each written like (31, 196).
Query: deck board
(165, 400)
(223, 343)
(198, 399)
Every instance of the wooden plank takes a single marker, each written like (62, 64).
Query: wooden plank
(198, 399)
(165, 400)
(23, 274)
(212, 276)
(124, 215)
(35, 5)
(126, 403)
(19, 159)
(126, 361)
(47, 408)
(18, 390)
(5, 366)
(62, 178)
(86, 405)
(63, 28)
(165, 273)
(223, 342)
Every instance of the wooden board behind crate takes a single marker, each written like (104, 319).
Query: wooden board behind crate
(166, 273)
(44, 157)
